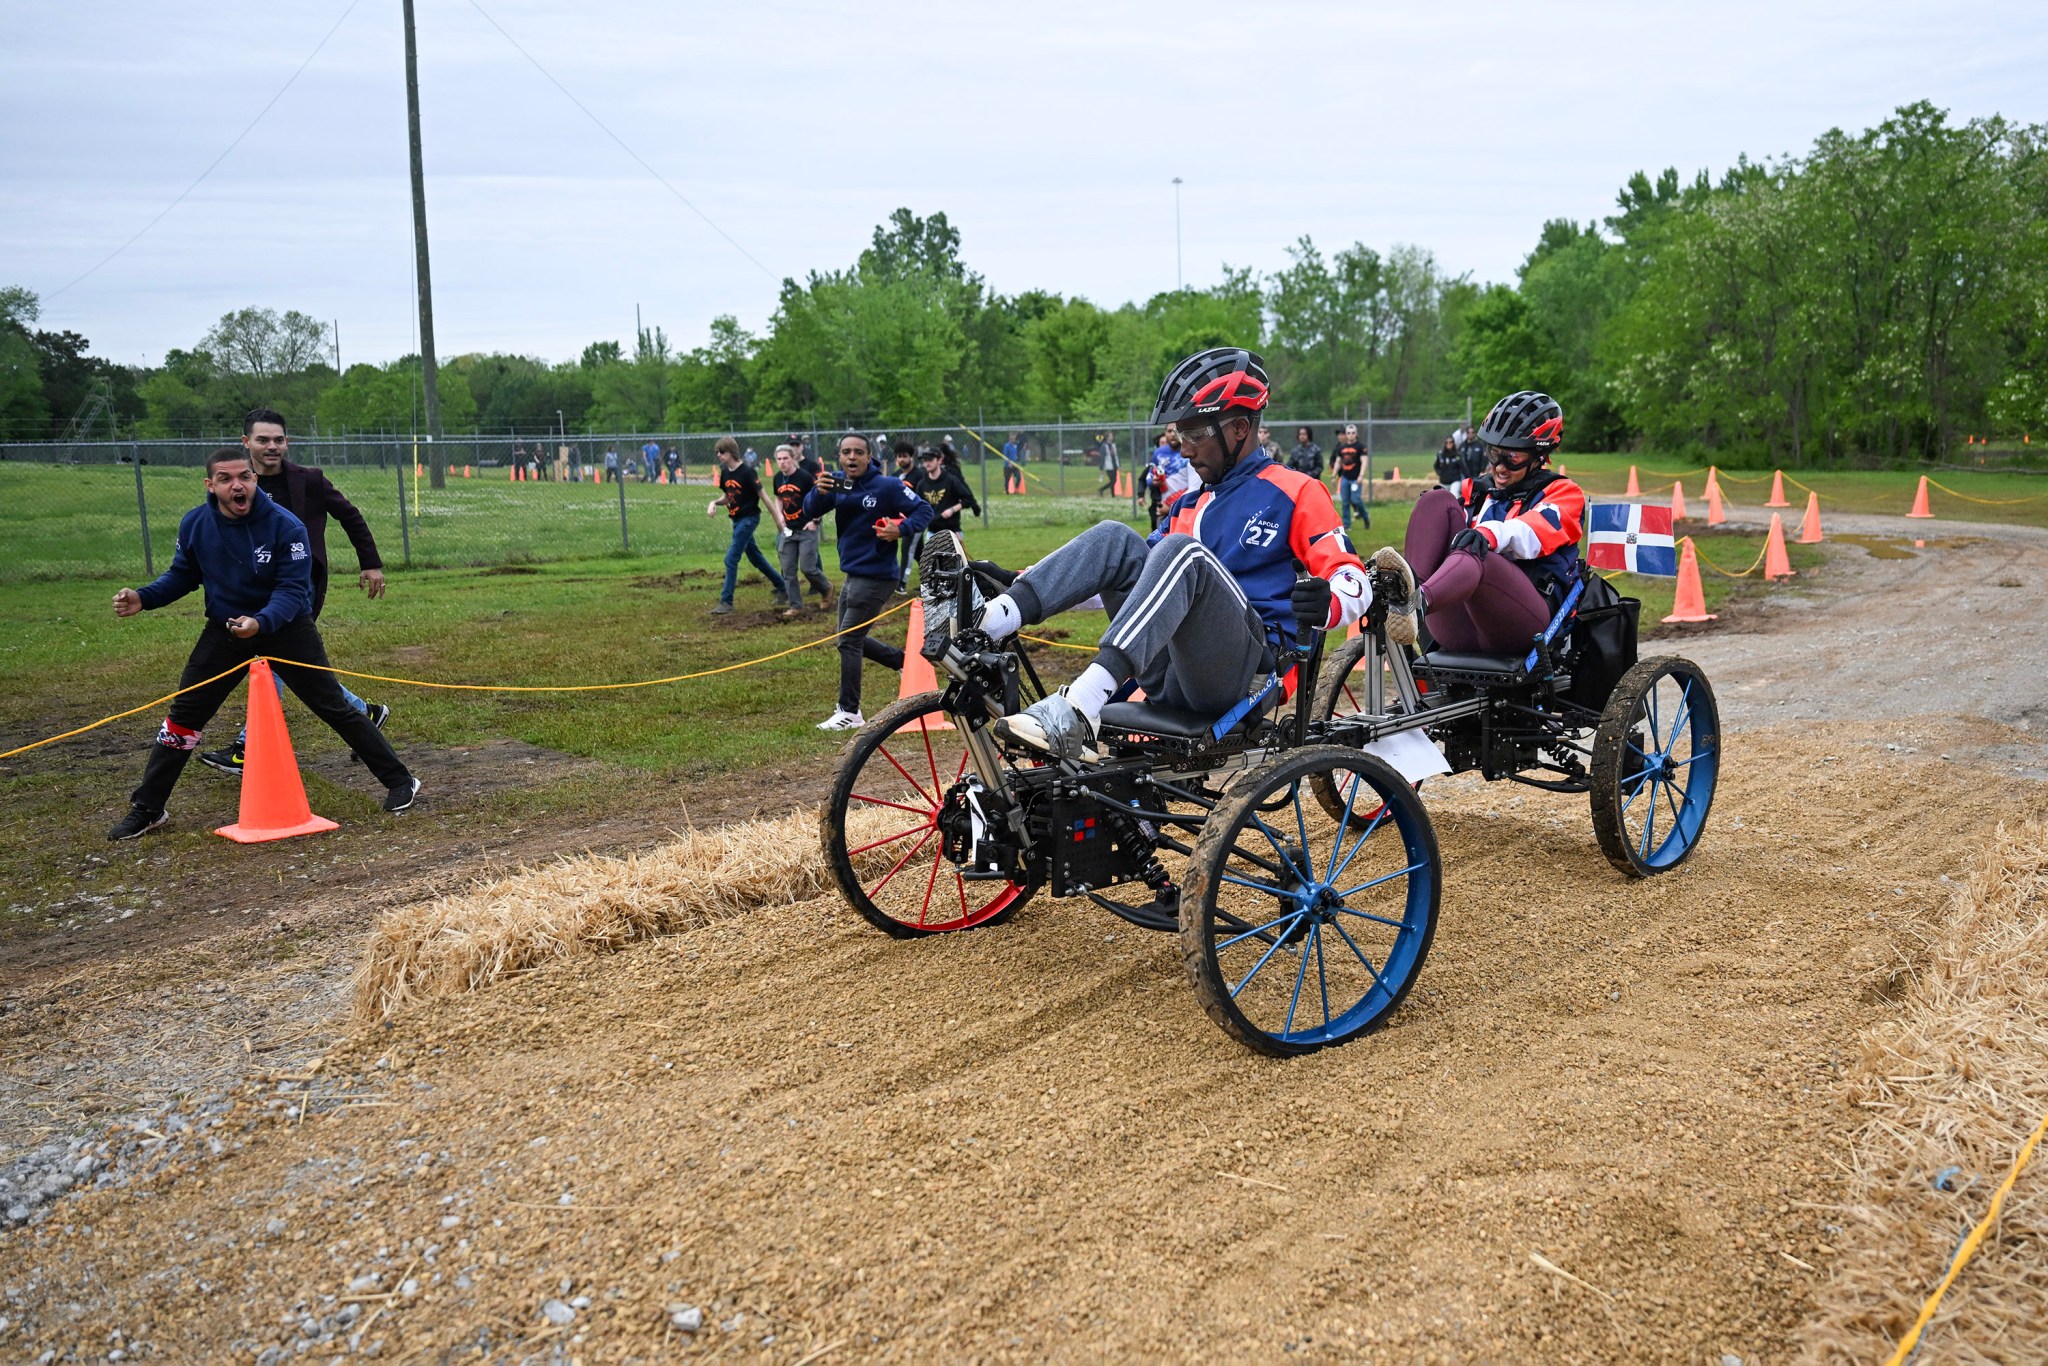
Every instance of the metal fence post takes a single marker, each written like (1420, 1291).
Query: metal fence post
(404, 529)
(142, 507)
(981, 420)
(1368, 456)
(624, 543)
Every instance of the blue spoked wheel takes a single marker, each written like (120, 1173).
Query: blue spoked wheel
(1301, 929)
(1656, 756)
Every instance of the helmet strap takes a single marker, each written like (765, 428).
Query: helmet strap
(1236, 452)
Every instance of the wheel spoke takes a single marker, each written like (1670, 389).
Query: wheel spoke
(1375, 919)
(1259, 859)
(1315, 935)
(1300, 976)
(1379, 819)
(1300, 874)
(1337, 845)
(926, 812)
(883, 750)
(1255, 932)
(1368, 886)
(1277, 942)
(898, 867)
(1301, 828)
(961, 883)
(930, 883)
(1256, 886)
(1671, 799)
(1359, 953)
(1649, 821)
(891, 839)
(938, 785)
(1684, 714)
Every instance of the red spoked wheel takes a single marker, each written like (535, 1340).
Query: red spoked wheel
(880, 829)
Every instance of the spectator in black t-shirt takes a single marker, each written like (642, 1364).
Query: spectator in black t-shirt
(1347, 460)
(1472, 454)
(740, 495)
(796, 539)
(940, 483)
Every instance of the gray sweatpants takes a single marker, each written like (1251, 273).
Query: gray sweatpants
(799, 555)
(1179, 623)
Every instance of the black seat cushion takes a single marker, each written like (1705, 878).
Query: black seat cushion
(1149, 718)
(1473, 663)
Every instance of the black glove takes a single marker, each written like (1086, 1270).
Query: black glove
(1311, 600)
(1470, 539)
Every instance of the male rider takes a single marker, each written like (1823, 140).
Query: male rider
(1206, 603)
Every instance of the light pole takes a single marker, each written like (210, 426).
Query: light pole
(1176, 235)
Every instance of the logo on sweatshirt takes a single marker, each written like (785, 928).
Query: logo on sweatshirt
(1261, 530)
(298, 550)
(263, 554)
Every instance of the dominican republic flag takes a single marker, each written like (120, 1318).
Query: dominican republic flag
(1631, 536)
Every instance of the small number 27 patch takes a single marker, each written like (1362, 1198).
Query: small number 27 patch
(1260, 533)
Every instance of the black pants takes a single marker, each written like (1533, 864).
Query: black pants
(219, 648)
(861, 597)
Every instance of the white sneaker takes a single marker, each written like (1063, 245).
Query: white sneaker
(843, 720)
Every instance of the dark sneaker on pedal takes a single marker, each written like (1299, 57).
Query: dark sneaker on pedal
(400, 797)
(941, 571)
(228, 761)
(140, 820)
(1052, 726)
(1393, 583)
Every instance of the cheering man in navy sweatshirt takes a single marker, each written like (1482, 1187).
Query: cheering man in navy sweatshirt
(254, 561)
(873, 511)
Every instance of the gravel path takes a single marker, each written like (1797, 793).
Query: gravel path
(787, 1136)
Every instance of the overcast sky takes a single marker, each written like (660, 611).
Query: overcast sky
(1050, 134)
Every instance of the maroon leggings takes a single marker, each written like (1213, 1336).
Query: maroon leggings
(1485, 606)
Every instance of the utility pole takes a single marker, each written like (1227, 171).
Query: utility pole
(337, 348)
(1177, 286)
(428, 372)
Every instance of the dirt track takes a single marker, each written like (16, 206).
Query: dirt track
(1028, 1142)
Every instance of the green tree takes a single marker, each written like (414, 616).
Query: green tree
(23, 410)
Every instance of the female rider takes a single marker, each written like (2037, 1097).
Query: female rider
(1495, 556)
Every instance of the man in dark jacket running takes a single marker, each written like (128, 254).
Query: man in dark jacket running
(307, 495)
(256, 564)
(873, 511)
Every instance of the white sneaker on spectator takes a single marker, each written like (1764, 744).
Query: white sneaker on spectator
(843, 720)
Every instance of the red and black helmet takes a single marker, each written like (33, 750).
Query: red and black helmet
(1525, 421)
(1222, 381)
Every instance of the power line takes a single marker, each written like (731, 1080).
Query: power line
(222, 157)
(621, 141)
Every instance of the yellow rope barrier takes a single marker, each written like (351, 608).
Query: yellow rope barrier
(1035, 640)
(1969, 1246)
(1725, 573)
(468, 687)
(1988, 502)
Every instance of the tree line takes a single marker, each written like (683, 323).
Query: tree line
(1878, 296)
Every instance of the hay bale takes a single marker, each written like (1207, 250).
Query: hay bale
(584, 904)
(1958, 1081)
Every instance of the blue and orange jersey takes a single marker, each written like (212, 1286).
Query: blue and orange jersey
(1258, 522)
(1538, 523)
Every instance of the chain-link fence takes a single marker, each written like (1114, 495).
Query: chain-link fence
(98, 509)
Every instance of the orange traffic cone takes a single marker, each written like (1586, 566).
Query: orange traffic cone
(1634, 490)
(1713, 480)
(917, 670)
(1920, 501)
(1715, 513)
(1809, 531)
(1777, 498)
(1560, 467)
(1396, 475)
(273, 799)
(1690, 603)
(1777, 564)
(1677, 500)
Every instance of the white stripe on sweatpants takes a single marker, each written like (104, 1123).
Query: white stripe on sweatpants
(1123, 634)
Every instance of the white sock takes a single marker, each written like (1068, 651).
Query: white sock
(1091, 692)
(1001, 617)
